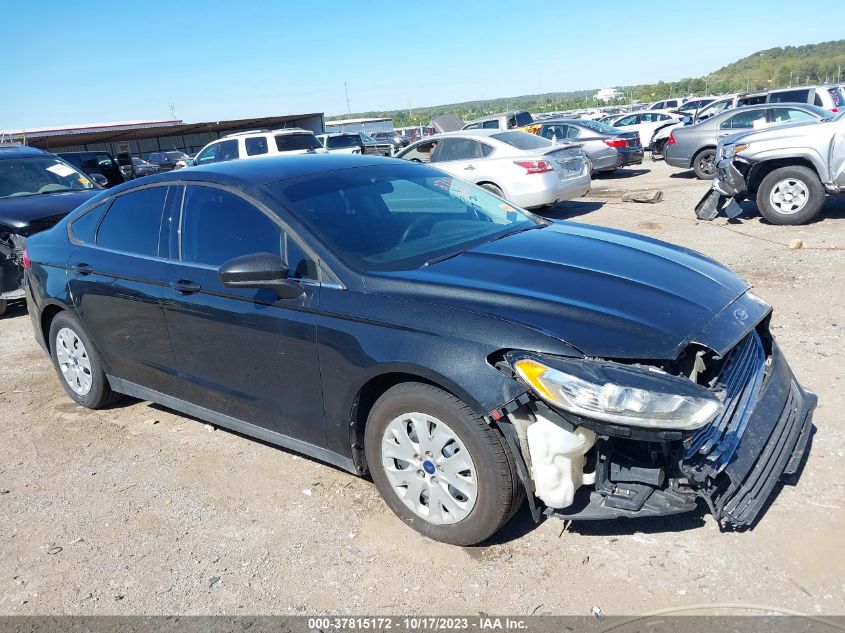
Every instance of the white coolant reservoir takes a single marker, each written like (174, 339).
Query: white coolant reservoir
(558, 460)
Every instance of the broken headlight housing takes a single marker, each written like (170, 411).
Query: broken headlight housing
(729, 151)
(644, 397)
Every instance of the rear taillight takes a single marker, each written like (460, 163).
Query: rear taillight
(671, 140)
(27, 262)
(535, 166)
(616, 142)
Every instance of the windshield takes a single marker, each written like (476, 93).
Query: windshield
(397, 217)
(175, 155)
(37, 175)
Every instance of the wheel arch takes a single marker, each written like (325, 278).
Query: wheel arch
(45, 319)
(487, 181)
(703, 148)
(762, 169)
(377, 385)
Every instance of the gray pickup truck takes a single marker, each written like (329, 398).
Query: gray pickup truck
(788, 170)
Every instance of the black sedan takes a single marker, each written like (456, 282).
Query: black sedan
(395, 321)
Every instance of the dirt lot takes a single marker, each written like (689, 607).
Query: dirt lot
(140, 510)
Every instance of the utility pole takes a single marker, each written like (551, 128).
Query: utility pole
(346, 90)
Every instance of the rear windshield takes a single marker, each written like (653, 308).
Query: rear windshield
(522, 140)
(342, 142)
(598, 126)
(296, 142)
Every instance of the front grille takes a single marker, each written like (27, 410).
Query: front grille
(711, 448)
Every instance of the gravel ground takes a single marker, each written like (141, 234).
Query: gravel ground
(139, 510)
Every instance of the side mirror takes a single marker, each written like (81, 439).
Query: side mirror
(687, 120)
(99, 179)
(259, 270)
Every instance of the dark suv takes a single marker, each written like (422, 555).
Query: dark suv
(98, 165)
(37, 190)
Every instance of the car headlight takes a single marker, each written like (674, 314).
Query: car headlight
(729, 151)
(617, 393)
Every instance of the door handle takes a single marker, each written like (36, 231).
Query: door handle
(184, 286)
(82, 269)
(469, 168)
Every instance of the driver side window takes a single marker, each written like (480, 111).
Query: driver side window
(421, 153)
(218, 226)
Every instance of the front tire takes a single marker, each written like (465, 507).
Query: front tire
(4, 305)
(78, 364)
(790, 195)
(442, 469)
(704, 164)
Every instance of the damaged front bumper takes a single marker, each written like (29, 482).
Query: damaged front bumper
(733, 464)
(728, 184)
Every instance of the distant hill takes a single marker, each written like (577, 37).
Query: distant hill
(771, 68)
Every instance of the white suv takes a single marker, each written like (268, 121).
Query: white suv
(256, 144)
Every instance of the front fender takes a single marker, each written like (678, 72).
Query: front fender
(808, 154)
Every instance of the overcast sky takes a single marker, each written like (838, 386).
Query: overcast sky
(69, 63)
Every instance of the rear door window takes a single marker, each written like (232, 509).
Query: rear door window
(491, 125)
(133, 222)
(782, 115)
(255, 145)
(84, 227)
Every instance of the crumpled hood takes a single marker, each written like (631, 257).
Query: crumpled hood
(24, 214)
(606, 292)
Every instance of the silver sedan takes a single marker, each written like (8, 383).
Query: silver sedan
(528, 170)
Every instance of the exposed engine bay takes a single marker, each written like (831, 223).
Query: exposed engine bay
(11, 264)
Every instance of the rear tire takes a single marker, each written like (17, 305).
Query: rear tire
(704, 164)
(790, 195)
(78, 364)
(438, 434)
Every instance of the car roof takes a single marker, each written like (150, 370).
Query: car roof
(260, 172)
(15, 150)
(476, 132)
(496, 116)
(289, 130)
